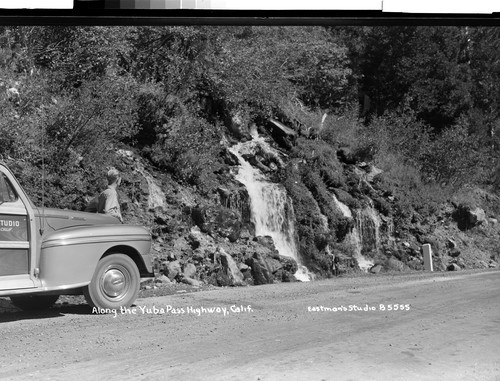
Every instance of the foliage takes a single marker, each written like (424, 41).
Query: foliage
(189, 149)
(70, 96)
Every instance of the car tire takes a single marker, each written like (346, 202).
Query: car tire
(115, 283)
(34, 302)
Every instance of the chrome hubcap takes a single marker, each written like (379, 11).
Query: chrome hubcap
(114, 283)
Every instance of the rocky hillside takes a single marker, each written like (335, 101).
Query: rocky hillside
(354, 217)
(260, 154)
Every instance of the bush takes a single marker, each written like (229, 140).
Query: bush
(189, 149)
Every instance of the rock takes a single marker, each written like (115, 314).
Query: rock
(197, 239)
(483, 264)
(230, 158)
(198, 255)
(243, 267)
(261, 272)
(375, 269)
(345, 198)
(467, 218)
(290, 266)
(415, 264)
(373, 172)
(230, 268)
(172, 269)
(461, 263)
(201, 243)
(493, 265)
(285, 275)
(246, 234)
(282, 134)
(218, 220)
(256, 161)
(273, 264)
(266, 241)
(189, 270)
(237, 125)
(395, 264)
(191, 281)
(236, 198)
(453, 267)
(454, 253)
(451, 243)
(477, 216)
(346, 156)
(163, 279)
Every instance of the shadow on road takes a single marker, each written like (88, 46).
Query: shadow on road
(8, 312)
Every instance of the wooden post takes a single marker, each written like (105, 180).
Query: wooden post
(427, 252)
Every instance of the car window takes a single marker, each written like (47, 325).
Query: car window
(7, 193)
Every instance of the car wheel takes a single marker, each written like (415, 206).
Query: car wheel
(115, 283)
(34, 302)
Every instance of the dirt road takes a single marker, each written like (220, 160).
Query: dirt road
(446, 327)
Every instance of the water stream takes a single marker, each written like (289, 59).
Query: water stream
(364, 236)
(271, 208)
(156, 197)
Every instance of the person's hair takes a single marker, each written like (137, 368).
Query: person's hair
(113, 175)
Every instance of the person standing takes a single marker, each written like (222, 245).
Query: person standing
(107, 202)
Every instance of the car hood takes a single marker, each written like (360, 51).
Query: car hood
(62, 218)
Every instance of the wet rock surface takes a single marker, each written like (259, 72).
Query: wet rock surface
(189, 228)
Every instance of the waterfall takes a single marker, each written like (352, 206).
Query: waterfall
(364, 236)
(156, 196)
(271, 208)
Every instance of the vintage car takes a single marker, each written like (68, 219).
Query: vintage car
(48, 252)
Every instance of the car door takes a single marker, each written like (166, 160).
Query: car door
(15, 258)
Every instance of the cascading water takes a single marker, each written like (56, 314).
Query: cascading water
(364, 235)
(271, 208)
(156, 196)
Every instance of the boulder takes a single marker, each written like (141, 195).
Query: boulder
(483, 264)
(395, 265)
(288, 267)
(189, 270)
(451, 243)
(172, 269)
(230, 158)
(372, 172)
(235, 197)
(283, 135)
(415, 264)
(163, 279)
(230, 269)
(237, 125)
(453, 267)
(266, 241)
(477, 216)
(191, 281)
(218, 220)
(461, 263)
(454, 252)
(257, 162)
(468, 218)
(375, 269)
(242, 267)
(200, 241)
(261, 272)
